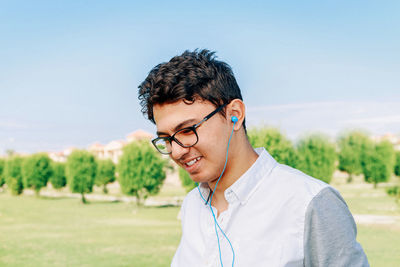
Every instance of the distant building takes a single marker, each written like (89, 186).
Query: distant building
(98, 150)
(112, 150)
(61, 156)
(392, 138)
(139, 135)
(57, 156)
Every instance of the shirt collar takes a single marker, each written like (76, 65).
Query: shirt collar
(205, 191)
(247, 184)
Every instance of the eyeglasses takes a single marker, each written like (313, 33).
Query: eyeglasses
(185, 137)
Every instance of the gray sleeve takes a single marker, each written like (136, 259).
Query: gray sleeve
(330, 233)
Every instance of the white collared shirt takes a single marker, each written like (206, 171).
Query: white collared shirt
(270, 221)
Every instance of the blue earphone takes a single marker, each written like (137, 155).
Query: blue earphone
(234, 119)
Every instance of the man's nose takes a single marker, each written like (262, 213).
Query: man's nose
(178, 151)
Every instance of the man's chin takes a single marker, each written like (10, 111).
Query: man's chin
(198, 178)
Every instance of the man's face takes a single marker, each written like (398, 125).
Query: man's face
(205, 160)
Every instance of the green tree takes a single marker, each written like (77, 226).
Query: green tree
(275, 143)
(2, 180)
(141, 170)
(105, 173)
(58, 179)
(386, 149)
(186, 181)
(396, 189)
(397, 163)
(36, 171)
(351, 148)
(81, 172)
(316, 157)
(378, 163)
(13, 175)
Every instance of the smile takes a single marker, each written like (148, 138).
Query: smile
(193, 161)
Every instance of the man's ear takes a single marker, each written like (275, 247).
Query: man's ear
(236, 108)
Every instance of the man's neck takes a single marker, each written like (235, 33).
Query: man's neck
(240, 160)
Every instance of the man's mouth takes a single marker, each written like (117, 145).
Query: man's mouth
(193, 161)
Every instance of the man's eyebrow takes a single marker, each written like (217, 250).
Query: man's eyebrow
(184, 124)
(161, 133)
(179, 126)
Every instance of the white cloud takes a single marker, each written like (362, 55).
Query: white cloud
(382, 119)
(329, 117)
(288, 107)
(11, 124)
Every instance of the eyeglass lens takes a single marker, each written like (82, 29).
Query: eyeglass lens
(186, 137)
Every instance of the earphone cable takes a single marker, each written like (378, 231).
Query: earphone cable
(213, 214)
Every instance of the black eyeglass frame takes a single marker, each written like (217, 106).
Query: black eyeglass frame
(192, 128)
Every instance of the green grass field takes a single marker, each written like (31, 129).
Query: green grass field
(63, 232)
(380, 241)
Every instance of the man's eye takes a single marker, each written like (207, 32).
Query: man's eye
(186, 131)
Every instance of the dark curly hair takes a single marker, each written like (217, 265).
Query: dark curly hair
(189, 76)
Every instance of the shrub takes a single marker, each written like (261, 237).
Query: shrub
(386, 150)
(316, 157)
(2, 180)
(397, 164)
(36, 170)
(81, 171)
(58, 179)
(394, 191)
(105, 173)
(186, 181)
(13, 175)
(351, 148)
(141, 170)
(275, 143)
(378, 163)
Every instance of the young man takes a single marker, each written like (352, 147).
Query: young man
(248, 210)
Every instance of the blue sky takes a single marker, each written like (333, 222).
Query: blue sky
(69, 70)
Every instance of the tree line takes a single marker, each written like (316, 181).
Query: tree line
(316, 155)
(140, 172)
